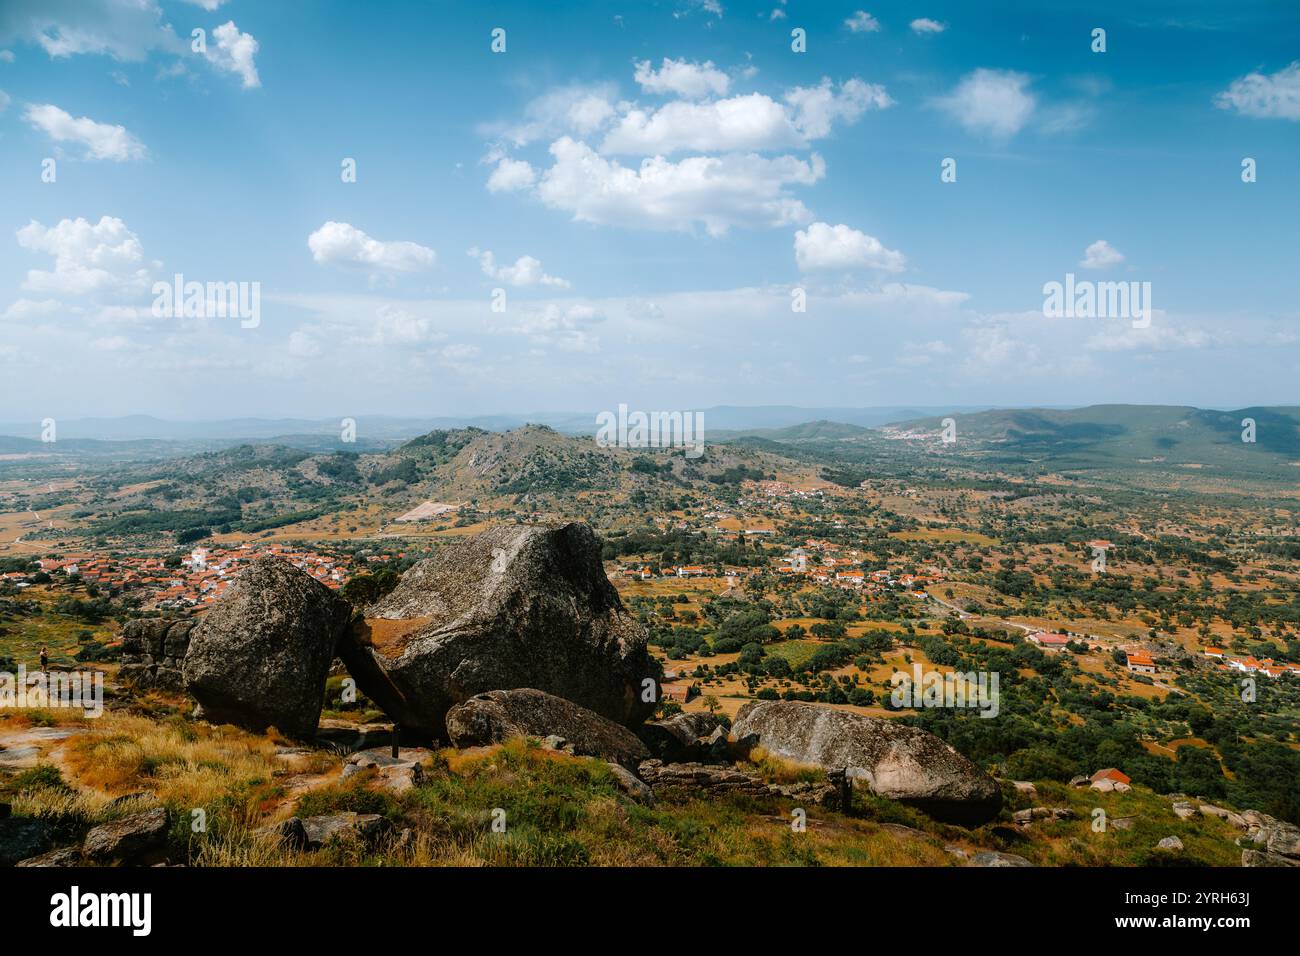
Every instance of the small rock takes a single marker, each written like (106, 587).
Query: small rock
(291, 833)
(1258, 858)
(1082, 780)
(127, 839)
(995, 859)
(1185, 811)
(1104, 785)
(1123, 823)
(956, 851)
(64, 856)
(365, 828)
(1025, 787)
(1171, 843)
(630, 784)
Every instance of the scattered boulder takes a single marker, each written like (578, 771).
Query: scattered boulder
(679, 738)
(1236, 819)
(63, 856)
(891, 759)
(22, 837)
(260, 656)
(291, 834)
(1025, 788)
(1082, 780)
(631, 784)
(127, 840)
(516, 606)
(498, 715)
(365, 829)
(1171, 844)
(993, 858)
(1123, 823)
(1185, 811)
(1278, 838)
(153, 653)
(398, 774)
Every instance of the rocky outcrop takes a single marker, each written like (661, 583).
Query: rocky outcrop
(516, 606)
(260, 656)
(1273, 842)
(498, 715)
(891, 759)
(153, 653)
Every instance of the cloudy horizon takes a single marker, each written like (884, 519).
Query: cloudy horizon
(669, 205)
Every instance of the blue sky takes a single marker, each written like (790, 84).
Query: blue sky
(651, 181)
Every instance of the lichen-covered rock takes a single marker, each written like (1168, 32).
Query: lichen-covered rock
(680, 738)
(261, 655)
(516, 606)
(498, 715)
(891, 759)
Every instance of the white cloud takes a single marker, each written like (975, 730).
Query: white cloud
(1154, 338)
(1101, 255)
(862, 22)
(24, 310)
(6, 56)
(209, 5)
(342, 244)
(510, 175)
(234, 52)
(526, 270)
(691, 80)
(717, 192)
(825, 247)
(123, 29)
(565, 327)
(752, 121)
(395, 325)
(817, 108)
(89, 259)
(996, 102)
(925, 25)
(102, 140)
(777, 14)
(1267, 96)
(578, 108)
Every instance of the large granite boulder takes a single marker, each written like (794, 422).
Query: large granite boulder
(516, 606)
(153, 652)
(498, 715)
(681, 738)
(261, 655)
(891, 759)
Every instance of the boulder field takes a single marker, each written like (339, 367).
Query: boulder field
(518, 632)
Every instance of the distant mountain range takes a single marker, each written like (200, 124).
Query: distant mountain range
(389, 428)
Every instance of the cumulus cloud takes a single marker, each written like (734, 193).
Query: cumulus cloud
(101, 140)
(924, 25)
(840, 248)
(342, 244)
(717, 192)
(578, 108)
(683, 78)
(753, 121)
(862, 22)
(526, 270)
(1265, 95)
(90, 259)
(993, 102)
(817, 108)
(511, 175)
(234, 52)
(1101, 255)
